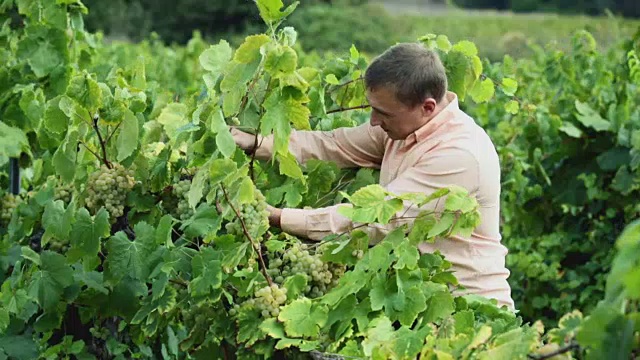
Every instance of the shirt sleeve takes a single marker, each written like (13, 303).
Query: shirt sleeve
(448, 167)
(360, 146)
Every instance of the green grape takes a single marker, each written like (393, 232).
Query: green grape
(181, 192)
(268, 300)
(298, 260)
(108, 188)
(8, 205)
(255, 217)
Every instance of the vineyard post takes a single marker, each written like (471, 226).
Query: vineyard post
(14, 176)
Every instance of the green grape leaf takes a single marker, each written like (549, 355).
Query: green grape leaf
(87, 232)
(64, 159)
(270, 10)
(4, 319)
(379, 337)
(44, 49)
(233, 100)
(331, 79)
(93, 280)
(249, 50)
(289, 166)
(198, 183)
(459, 199)
(18, 347)
(85, 91)
(408, 256)
(128, 137)
(509, 86)
(13, 142)
(512, 107)
(466, 47)
(439, 306)
(221, 169)
(50, 281)
(173, 117)
(443, 43)
(590, 117)
(206, 220)
(570, 129)
(32, 104)
(281, 61)
(371, 205)
(54, 119)
(56, 221)
(224, 139)
(216, 57)
(295, 285)
(130, 258)
(207, 273)
(482, 91)
(457, 67)
(302, 318)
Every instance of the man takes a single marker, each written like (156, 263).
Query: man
(421, 141)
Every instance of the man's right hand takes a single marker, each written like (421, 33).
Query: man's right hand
(245, 141)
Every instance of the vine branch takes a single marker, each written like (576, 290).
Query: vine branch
(80, 142)
(263, 266)
(363, 106)
(565, 349)
(114, 131)
(103, 144)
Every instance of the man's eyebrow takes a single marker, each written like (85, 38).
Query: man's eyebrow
(380, 111)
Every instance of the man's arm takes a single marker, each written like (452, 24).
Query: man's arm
(361, 146)
(449, 167)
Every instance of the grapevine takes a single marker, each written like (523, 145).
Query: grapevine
(108, 188)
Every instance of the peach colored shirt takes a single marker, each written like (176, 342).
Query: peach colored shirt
(451, 149)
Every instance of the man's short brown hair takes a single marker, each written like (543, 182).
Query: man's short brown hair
(412, 71)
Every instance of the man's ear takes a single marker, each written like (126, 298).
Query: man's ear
(429, 106)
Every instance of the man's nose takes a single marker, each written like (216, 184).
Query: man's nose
(375, 121)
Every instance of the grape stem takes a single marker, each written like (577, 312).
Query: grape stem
(114, 131)
(102, 143)
(263, 266)
(80, 142)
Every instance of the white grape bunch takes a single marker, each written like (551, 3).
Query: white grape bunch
(255, 217)
(108, 188)
(8, 205)
(267, 300)
(61, 190)
(181, 192)
(320, 276)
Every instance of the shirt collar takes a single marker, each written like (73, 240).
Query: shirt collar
(441, 118)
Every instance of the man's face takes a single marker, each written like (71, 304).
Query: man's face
(395, 118)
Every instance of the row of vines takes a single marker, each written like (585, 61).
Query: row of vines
(140, 231)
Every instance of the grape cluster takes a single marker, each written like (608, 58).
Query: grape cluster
(109, 187)
(320, 276)
(7, 207)
(181, 192)
(63, 192)
(58, 245)
(255, 217)
(267, 300)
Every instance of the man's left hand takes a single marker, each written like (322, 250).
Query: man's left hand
(274, 216)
